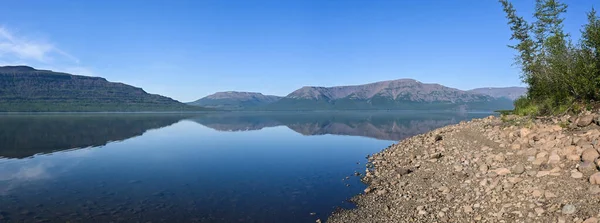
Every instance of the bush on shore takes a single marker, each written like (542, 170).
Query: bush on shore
(561, 75)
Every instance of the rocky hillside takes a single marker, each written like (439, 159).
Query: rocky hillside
(234, 100)
(511, 93)
(24, 88)
(494, 169)
(397, 94)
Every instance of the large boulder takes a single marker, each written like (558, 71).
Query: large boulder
(587, 168)
(585, 120)
(589, 155)
(595, 178)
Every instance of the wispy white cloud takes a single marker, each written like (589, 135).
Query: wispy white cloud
(19, 48)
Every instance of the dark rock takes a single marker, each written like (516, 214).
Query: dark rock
(403, 171)
(438, 138)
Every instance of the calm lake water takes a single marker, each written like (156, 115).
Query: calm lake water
(234, 167)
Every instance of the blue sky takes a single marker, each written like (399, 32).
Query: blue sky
(189, 49)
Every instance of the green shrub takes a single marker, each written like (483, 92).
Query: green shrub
(558, 73)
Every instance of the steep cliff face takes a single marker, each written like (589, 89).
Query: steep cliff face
(24, 88)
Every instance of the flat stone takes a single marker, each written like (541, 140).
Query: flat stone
(595, 178)
(435, 156)
(523, 132)
(542, 173)
(549, 194)
(554, 158)
(594, 189)
(541, 155)
(468, 209)
(502, 171)
(515, 146)
(585, 120)
(500, 157)
(587, 168)
(569, 209)
(483, 168)
(577, 175)
(539, 211)
(591, 220)
(518, 169)
(539, 161)
(589, 154)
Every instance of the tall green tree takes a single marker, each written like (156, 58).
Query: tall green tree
(525, 45)
(557, 72)
(589, 57)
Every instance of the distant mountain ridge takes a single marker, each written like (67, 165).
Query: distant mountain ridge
(234, 100)
(407, 89)
(507, 92)
(25, 89)
(401, 94)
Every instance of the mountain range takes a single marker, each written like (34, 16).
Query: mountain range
(399, 94)
(233, 100)
(24, 88)
(511, 93)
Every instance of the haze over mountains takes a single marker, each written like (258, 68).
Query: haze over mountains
(507, 92)
(388, 95)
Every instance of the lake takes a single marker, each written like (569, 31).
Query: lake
(231, 167)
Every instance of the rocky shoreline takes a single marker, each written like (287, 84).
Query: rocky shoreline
(496, 169)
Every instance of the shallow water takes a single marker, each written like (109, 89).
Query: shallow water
(233, 167)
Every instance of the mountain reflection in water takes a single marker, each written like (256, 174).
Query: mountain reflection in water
(26, 135)
(382, 125)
